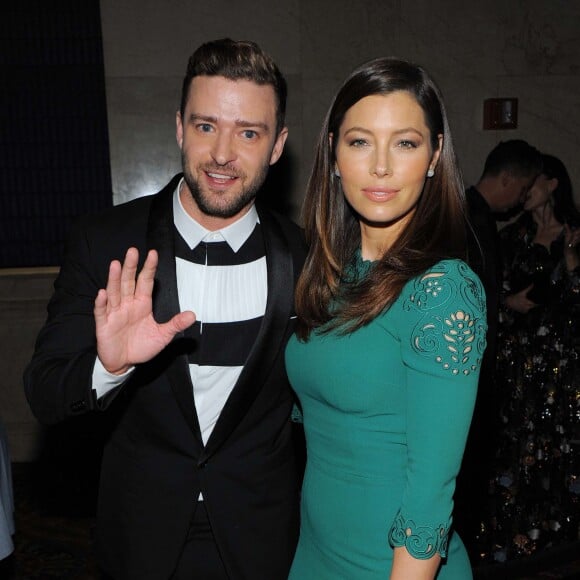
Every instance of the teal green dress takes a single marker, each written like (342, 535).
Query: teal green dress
(386, 412)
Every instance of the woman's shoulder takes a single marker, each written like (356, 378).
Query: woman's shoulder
(449, 280)
(441, 316)
(451, 269)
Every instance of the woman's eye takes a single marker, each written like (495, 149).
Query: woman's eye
(358, 143)
(407, 144)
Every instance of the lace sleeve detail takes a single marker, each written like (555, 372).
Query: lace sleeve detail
(421, 541)
(453, 337)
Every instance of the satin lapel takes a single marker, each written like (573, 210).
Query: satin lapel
(267, 347)
(166, 302)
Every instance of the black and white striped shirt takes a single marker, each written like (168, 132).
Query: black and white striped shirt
(221, 276)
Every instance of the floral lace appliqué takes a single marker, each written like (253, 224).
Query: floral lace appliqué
(456, 339)
(422, 542)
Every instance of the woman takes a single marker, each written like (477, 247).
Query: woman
(536, 496)
(390, 335)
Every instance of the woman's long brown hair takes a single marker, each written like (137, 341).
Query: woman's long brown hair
(435, 231)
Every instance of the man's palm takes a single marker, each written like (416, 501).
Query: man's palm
(127, 333)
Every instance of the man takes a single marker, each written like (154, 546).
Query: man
(509, 171)
(199, 477)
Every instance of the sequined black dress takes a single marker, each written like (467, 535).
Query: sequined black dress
(535, 496)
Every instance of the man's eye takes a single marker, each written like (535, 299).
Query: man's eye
(249, 134)
(204, 127)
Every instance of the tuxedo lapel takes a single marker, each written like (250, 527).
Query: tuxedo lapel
(269, 341)
(160, 234)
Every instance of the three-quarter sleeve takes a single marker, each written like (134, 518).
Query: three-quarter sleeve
(441, 322)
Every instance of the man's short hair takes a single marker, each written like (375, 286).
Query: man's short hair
(516, 157)
(237, 60)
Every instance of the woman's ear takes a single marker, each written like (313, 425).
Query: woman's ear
(436, 153)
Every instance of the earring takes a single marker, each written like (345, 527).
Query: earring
(336, 172)
(430, 172)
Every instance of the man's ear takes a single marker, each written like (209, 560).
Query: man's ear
(279, 145)
(505, 178)
(179, 129)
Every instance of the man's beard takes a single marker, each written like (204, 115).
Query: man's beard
(212, 204)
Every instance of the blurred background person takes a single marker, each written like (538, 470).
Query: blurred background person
(508, 173)
(536, 489)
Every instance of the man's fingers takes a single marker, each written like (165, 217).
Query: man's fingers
(113, 293)
(146, 278)
(129, 272)
(100, 309)
(179, 323)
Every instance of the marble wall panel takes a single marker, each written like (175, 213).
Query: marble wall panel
(152, 38)
(144, 152)
(338, 35)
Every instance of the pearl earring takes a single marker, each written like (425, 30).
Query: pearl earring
(336, 172)
(430, 172)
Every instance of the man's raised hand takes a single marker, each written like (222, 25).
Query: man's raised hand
(127, 333)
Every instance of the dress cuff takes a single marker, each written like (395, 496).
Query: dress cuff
(421, 541)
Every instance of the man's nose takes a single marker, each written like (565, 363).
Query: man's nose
(223, 150)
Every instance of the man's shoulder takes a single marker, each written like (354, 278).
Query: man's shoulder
(292, 232)
(477, 206)
(289, 227)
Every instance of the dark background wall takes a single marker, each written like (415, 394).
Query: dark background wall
(54, 153)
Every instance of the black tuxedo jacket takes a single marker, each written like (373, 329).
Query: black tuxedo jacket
(155, 464)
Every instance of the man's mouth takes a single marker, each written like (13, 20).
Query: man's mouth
(218, 178)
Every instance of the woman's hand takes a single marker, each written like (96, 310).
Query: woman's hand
(520, 301)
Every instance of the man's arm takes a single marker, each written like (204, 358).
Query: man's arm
(58, 380)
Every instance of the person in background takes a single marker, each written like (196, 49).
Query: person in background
(390, 335)
(171, 314)
(535, 499)
(509, 171)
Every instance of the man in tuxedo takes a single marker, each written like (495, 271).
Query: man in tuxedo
(170, 315)
(509, 171)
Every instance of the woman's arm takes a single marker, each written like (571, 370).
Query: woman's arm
(406, 567)
(442, 325)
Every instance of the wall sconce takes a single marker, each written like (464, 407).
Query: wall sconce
(500, 113)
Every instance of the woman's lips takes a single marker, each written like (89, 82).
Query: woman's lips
(380, 193)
